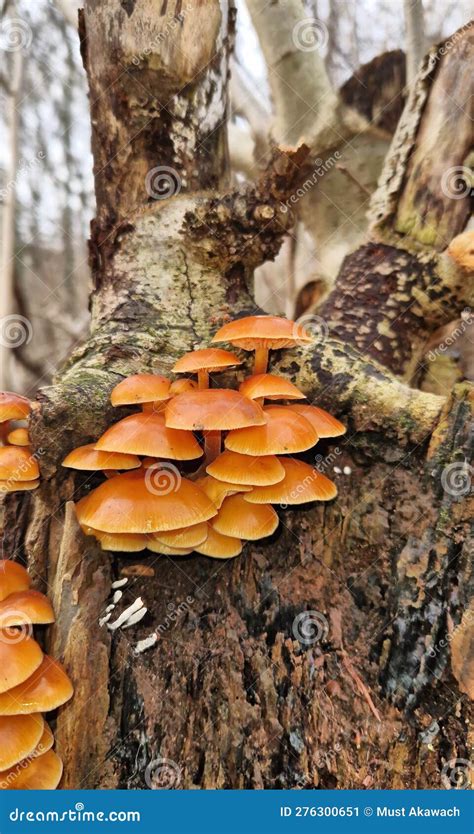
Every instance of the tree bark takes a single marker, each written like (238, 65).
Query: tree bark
(234, 694)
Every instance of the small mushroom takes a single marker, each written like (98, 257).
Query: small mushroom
(13, 577)
(218, 490)
(150, 391)
(125, 504)
(46, 689)
(18, 486)
(25, 608)
(204, 362)
(168, 550)
(89, 459)
(180, 386)
(147, 434)
(18, 464)
(19, 736)
(235, 468)
(186, 537)
(20, 656)
(37, 774)
(120, 542)
(218, 546)
(262, 334)
(212, 411)
(19, 437)
(285, 433)
(301, 484)
(325, 424)
(269, 387)
(234, 519)
(461, 250)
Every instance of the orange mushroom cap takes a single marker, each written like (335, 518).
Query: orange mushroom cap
(19, 737)
(46, 689)
(271, 332)
(46, 741)
(217, 409)
(20, 656)
(235, 468)
(18, 486)
(13, 577)
(140, 388)
(37, 774)
(301, 484)
(18, 464)
(147, 434)
(461, 250)
(90, 459)
(185, 537)
(25, 608)
(218, 546)
(19, 437)
(234, 519)
(217, 490)
(179, 386)
(119, 542)
(128, 504)
(167, 549)
(13, 406)
(325, 424)
(284, 433)
(270, 387)
(209, 359)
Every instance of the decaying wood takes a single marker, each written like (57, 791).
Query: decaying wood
(232, 694)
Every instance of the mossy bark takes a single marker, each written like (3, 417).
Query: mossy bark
(229, 695)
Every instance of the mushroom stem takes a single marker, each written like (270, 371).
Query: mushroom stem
(261, 360)
(203, 379)
(212, 446)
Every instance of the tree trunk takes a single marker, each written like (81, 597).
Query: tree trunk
(319, 658)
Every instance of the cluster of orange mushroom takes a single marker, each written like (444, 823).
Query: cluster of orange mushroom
(159, 495)
(19, 470)
(31, 683)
